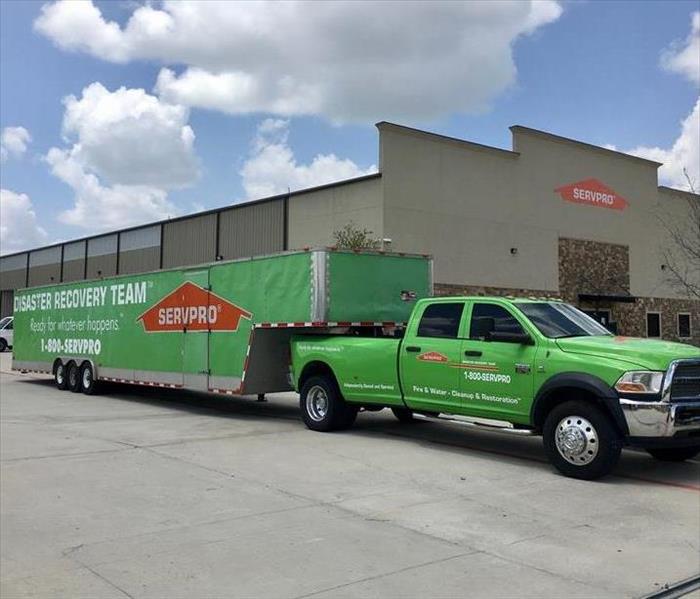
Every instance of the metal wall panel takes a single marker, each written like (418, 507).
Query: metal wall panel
(138, 239)
(139, 250)
(102, 266)
(13, 271)
(252, 230)
(6, 299)
(189, 241)
(102, 257)
(74, 261)
(45, 266)
(135, 261)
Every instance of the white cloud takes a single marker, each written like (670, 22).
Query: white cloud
(683, 154)
(13, 142)
(347, 61)
(18, 223)
(272, 167)
(684, 57)
(128, 148)
(106, 207)
(130, 137)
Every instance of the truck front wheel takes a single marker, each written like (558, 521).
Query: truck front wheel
(673, 454)
(322, 406)
(581, 441)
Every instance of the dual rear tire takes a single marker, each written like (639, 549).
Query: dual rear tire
(323, 407)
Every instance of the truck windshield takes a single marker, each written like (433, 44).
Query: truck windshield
(4, 321)
(556, 320)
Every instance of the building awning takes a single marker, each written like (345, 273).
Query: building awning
(602, 297)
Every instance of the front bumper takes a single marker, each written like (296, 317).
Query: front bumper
(661, 419)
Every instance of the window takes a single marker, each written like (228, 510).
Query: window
(557, 320)
(441, 320)
(684, 326)
(490, 318)
(653, 324)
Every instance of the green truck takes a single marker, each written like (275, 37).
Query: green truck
(354, 331)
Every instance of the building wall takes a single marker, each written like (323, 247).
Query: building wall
(189, 241)
(102, 256)
(252, 230)
(460, 202)
(139, 250)
(314, 216)
(74, 261)
(44, 266)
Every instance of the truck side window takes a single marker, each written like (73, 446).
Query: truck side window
(491, 318)
(441, 320)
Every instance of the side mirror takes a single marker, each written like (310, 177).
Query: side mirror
(521, 338)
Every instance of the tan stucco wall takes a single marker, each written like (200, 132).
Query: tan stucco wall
(315, 215)
(468, 205)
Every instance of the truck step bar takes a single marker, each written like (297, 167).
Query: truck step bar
(490, 425)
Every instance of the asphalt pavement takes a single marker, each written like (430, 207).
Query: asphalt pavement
(143, 492)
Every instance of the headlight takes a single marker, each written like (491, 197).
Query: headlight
(640, 381)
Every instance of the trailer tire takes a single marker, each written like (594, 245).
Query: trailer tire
(60, 376)
(581, 440)
(88, 384)
(403, 415)
(73, 377)
(323, 407)
(673, 454)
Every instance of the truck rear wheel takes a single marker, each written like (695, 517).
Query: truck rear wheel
(60, 376)
(673, 454)
(73, 377)
(322, 406)
(581, 440)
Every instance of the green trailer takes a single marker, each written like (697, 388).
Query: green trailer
(222, 327)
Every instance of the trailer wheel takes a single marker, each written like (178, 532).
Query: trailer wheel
(403, 415)
(73, 377)
(88, 384)
(673, 454)
(60, 376)
(322, 406)
(581, 441)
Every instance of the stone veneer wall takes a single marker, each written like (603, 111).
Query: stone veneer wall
(603, 269)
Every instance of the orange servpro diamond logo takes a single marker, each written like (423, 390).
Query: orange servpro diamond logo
(193, 308)
(432, 356)
(593, 193)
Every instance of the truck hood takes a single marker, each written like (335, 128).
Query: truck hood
(651, 354)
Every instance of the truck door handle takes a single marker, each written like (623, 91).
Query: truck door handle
(412, 348)
(472, 352)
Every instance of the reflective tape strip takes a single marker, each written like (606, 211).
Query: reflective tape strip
(342, 323)
(142, 383)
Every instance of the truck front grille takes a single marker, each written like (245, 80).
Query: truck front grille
(685, 385)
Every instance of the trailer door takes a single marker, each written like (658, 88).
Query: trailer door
(196, 331)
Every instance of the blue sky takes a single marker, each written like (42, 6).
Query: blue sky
(592, 71)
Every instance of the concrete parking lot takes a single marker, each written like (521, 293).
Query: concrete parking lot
(153, 493)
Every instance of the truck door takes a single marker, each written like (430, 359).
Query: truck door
(497, 377)
(429, 355)
(195, 337)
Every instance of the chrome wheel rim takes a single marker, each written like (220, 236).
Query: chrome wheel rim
(60, 374)
(73, 377)
(317, 403)
(576, 440)
(87, 378)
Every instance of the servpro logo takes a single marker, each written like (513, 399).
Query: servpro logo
(193, 308)
(432, 356)
(593, 193)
